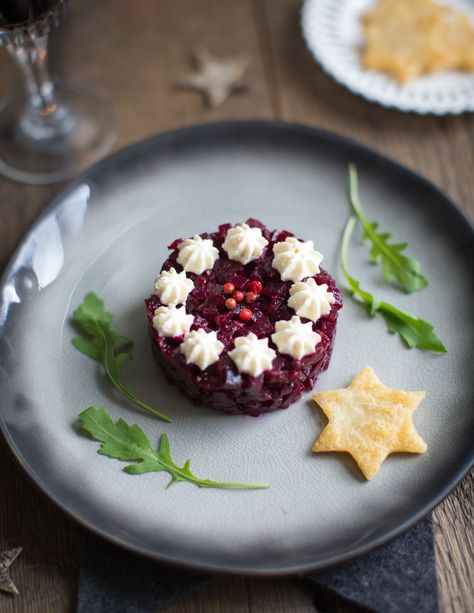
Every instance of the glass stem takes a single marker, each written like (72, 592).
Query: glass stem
(32, 58)
(43, 117)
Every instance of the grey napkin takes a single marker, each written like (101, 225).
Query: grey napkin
(398, 576)
(114, 580)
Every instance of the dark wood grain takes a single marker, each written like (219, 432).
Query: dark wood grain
(140, 56)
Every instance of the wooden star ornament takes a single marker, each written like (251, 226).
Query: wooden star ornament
(6, 560)
(369, 421)
(216, 78)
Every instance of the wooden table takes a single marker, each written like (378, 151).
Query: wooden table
(139, 56)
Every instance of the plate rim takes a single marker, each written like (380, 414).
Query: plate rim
(312, 48)
(292, 127)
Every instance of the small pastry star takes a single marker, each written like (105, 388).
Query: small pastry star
(369, 421)
(216, 78)
(6, 560)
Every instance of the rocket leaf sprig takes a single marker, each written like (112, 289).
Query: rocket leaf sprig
(106, 346)
(128, 443)
(414, 331)
(396, 266)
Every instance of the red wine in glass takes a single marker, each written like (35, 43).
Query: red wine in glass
(17, 11)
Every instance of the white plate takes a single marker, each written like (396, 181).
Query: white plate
(333, 34)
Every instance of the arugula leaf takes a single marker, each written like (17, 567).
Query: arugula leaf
(129, 443)
(414, 331)
(403, 269)
(106, 346)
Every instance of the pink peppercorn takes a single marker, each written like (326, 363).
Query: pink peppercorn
(255, 286)
(229, 289)
(245, 314)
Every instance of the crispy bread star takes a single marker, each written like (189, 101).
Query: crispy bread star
(369, 421)
(407, 38)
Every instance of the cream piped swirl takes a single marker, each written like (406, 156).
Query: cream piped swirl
(172, 287)
(197, 254)
(172, 321)
(295, 338)
(201, 348)
(295, 260)
(244, 244)
(252, 355)
(310, 300)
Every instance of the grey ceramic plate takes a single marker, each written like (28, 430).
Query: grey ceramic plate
(108, 232)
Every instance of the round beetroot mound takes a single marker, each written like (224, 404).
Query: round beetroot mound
(221, 386)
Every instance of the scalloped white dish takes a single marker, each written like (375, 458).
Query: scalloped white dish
(333, 34)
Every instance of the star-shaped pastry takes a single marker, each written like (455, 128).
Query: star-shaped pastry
(6, 560)
(216, 78)
(369, 421)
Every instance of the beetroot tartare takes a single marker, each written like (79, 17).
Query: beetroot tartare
(255, 281)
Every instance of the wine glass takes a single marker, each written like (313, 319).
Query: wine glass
(51, 130)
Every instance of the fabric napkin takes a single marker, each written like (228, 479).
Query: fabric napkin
(397, 577)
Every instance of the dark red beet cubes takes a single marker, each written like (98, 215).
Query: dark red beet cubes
(243, 319)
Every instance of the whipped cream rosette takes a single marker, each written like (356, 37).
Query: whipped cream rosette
(295, 338)
(252, 355)
(201, 348)
(172, 321)
(197, 254)
(310, 300)
(172, 287)
(295, 260)
(244, 244)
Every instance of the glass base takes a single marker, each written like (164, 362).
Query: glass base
(82, 130)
